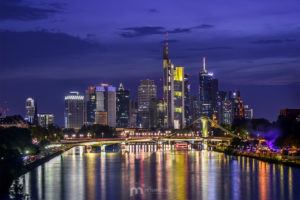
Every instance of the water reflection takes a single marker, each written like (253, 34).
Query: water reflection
(159, 174)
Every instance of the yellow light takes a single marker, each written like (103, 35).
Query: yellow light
(178, 74)
(179, 110)
(179, 94)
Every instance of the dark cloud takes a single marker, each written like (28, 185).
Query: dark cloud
(153, 10)
(18, 10)
(209, 48)
(139, 31)
(37, 46)
(204, 26)
(169, 41)
(275, 41)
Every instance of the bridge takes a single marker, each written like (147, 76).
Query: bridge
(205, 139)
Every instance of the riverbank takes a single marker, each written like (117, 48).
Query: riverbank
(271, 157)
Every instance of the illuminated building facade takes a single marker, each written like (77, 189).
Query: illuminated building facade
(74, 110)
(90, 105)
(106, 102)
(31, 110)
(160, 113)
(133, 110)
(221, 97)
(208, 88)
(173, 88)
(45, 119)
(248, 112)
(147, 91)
(187, 100)
(122, 107)
(239, 109)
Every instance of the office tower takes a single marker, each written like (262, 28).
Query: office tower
(221, 97)
(90, 105)
(31, 111)
(239, 109)
(74, 110)
(45, 120)
(173, 82)
(160, 114)
(195, 109)
(153, 113)
(248, 112)
(133, 110)
(122, 107)
(227, 111)
(105, 105)
(179, 112)
(187, 100)
(146, 92)
(208, 88)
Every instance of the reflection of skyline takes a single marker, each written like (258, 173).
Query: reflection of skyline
(161, 175)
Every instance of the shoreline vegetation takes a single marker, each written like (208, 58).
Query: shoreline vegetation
(271, 158)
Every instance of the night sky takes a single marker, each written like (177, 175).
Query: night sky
(48, 48)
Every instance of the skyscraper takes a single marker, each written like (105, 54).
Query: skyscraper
(74, 110)
(146, 92)
(133, 110)
(239, 109)
(248, 112)
(187, 100)
(173, 92)
(208, 88)
(31, 110)
(122, 107)
(45, 119)
(90, 105)
(106, 105)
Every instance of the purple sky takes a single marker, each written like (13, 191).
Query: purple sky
(48, 48)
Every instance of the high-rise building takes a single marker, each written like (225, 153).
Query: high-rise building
(105, 105)
(31, 110)
(187, 100)
(208, 88)
(90, 105)
(122, 107)
(195, 110)
(248, 112)
(227, 111)
(146, 92)
(179, 121)
(133, 110)
(74, 110)
(160, 114)
(173, 88)
(221, 97)
(45, 120)
(239, 109)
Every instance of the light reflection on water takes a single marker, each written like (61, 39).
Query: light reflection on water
(160, 175)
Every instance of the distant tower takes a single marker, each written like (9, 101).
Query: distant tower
(122, 107)
(106, 105)
(74, 110)
(147, 93)
(90, 105)
(208, 89)
(30, 110)
(173, 92)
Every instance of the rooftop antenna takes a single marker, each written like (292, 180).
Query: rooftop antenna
(204, 68)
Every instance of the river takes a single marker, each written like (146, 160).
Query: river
(160, 175)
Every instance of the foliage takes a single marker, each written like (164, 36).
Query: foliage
(53, 133)
(96, 131)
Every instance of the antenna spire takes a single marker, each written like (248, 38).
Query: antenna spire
(204, 68)
(167, 38)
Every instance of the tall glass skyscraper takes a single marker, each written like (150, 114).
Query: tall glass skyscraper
(122, 107)
(106, 105)
(173, 92)
(208, 88)
(31, 110)
(147, 92)
(90, 105)
(74, 110)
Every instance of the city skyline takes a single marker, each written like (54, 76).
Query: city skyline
(259, 59)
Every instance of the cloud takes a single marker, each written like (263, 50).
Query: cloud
(41, 46)
(275, 41)
(153, 10)
(209, 48)
(18, 10)
(140, 31)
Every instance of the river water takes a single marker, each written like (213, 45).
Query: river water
(160, 175)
